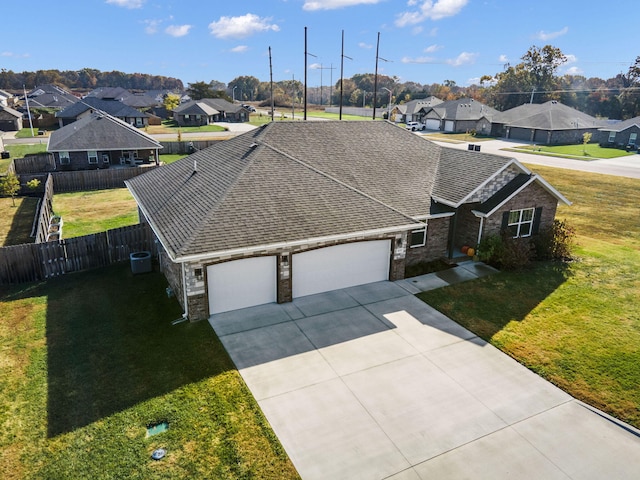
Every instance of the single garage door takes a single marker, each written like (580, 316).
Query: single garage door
(448, 126)
(340, 266)
(433, 124)
(241, 283)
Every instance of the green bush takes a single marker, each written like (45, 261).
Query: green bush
(505, 252)
(555, 242)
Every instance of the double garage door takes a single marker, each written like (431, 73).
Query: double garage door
(253, 281)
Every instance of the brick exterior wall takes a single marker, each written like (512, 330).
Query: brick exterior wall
(436, 246)
(467, 227)
(173, 274)
(533, 196)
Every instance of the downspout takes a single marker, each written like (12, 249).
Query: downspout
(480, 231)
(185, 315)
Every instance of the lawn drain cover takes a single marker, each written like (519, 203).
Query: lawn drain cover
(157, 428)
(158, 453)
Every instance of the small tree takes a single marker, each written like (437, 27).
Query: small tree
(33, 184)
(10, 186)
(586, 138)
(171, 101)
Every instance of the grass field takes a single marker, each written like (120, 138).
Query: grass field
(588, 152)
(170, 158)
(19, 151)
(95, 211)
(169, 126)
(90, 360)
(16, 221)
(577, 324)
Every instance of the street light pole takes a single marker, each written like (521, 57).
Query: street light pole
(389, 104)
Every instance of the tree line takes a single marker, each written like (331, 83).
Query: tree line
(534, 79)
(86, 79)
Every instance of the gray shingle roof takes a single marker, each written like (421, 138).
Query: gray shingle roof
(551, 115)
(464, 109)
(100, 131)
(112, 107)
(219, 104)
(292, 181)
(621, 126)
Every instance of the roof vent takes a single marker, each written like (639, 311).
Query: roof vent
(253, 145)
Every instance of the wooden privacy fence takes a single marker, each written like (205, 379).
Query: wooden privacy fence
(77, 181)
(40, 261)
(38, 163)
(45, 212)
(183, 148)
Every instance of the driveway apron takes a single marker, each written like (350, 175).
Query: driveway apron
(369, 382)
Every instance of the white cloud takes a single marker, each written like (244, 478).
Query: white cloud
(571, 58)
(432, 48)
(240, 27)
(365, 45)
(429, 9)
(127, 3)
(574, 71)
(418, 60)
(503, 59)
(417, 30)
(545, 36)
(465, 58)
(151, 26)
(14, 55)
(240, 49)
(311, 5)
(177, 30)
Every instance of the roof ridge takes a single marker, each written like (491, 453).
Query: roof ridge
(332, 178)
(133, 129)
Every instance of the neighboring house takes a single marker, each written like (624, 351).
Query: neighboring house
(115, 108)
(50, 96)
(460, 116)
(99, 140)
(297, 208)
(547, 123)
(621, 134)
(10, 119)
(209, 110)
(110, 93)
(6, 99)
(413, 111)
(139, 101)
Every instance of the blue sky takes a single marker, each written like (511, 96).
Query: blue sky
(425, 41)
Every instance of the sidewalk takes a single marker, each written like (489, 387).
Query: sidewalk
(468, 270)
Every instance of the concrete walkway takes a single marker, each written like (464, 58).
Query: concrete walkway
(369, 382)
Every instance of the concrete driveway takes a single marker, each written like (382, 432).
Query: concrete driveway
(371, 383)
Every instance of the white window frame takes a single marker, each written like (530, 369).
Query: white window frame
(92, 156)
(521, 222)
(612, 137)
(423, 242)
(65, 158)
(632, 138)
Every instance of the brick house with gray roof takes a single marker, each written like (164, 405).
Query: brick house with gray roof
(620, 134)
(99, 140)
(195, 113)
(115, 108)
(296, 208)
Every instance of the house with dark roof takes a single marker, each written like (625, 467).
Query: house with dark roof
(620, 134)
(296, 208)
(209, 110)
(50, 96)
(99, 140)
(10, 119)
(459, 116)
(115, 108)
(547, 123)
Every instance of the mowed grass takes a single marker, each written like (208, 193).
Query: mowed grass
(19, 151)
(16, 221)
(95, 211)
(169, 126)
(576, 324)
(591, 151)
(89, 360)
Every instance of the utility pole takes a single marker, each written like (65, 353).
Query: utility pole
(342, 57)
(305, 72)
(271, 82)
(375, 80)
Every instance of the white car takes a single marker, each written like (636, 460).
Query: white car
(413, 126)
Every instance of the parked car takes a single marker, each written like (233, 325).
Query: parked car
(413, 126)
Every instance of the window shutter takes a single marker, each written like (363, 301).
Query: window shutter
(536, 220)
(505, 221)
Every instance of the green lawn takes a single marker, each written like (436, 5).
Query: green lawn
(95, 211)
(577, 324)
(89, 360)
(16, 221)
(19, 151)
(170, 158)
(591, 151)
(170, 126)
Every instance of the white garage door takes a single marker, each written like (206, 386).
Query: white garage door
(241, 283)
(340, 266)
(448, 126)
(433, 124)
